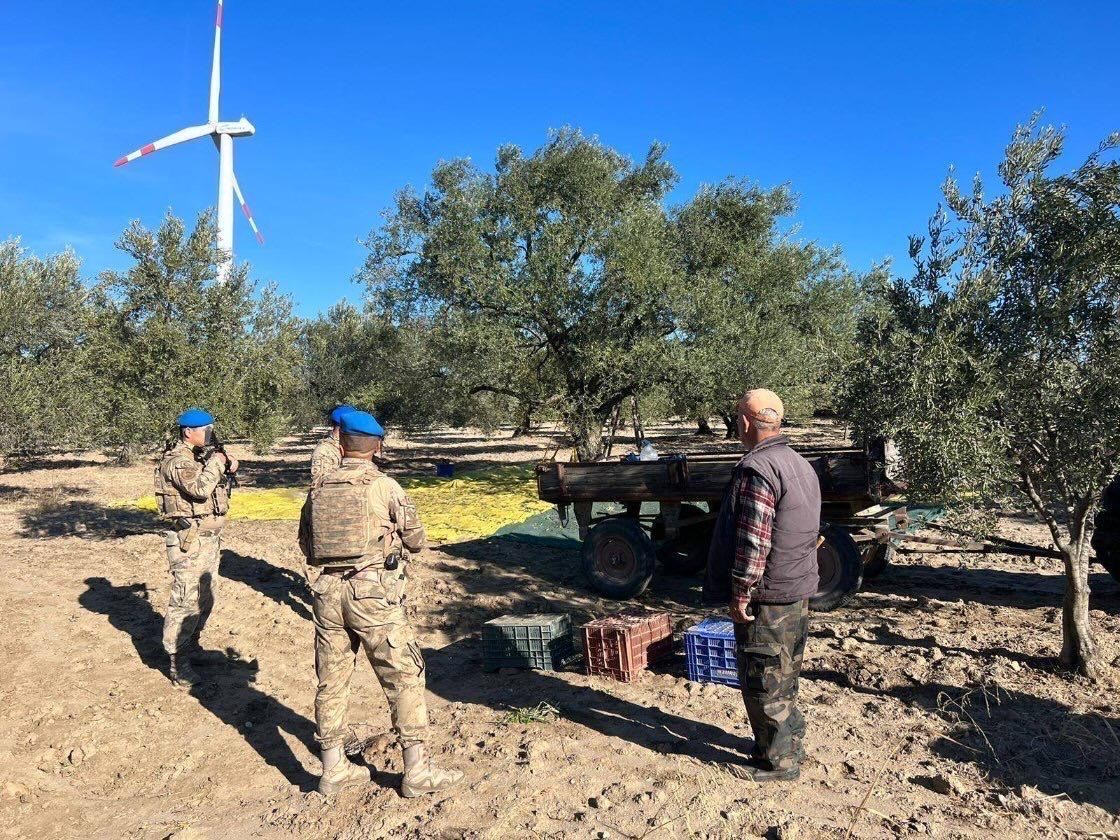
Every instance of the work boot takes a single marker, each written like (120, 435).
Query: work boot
(340, 772)
(183, 674)
(759, 771)
(421, 777)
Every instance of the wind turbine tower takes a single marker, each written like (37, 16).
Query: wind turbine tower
(222, 134)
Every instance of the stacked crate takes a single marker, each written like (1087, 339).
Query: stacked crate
(541, 641)
(709, 648)
(619, 646)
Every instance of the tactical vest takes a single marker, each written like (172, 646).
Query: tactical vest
(174, 505)
(343, 527)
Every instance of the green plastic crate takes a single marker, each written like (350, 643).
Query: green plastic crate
(541, 642)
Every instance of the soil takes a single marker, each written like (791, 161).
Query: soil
(933, 702)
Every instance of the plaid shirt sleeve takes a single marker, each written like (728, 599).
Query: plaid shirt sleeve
(753, 525)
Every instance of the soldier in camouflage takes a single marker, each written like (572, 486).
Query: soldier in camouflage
(354, 529)
(194, 497)
(327, 456)
(766, 534)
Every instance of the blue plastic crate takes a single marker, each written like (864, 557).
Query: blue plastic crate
(709, 648)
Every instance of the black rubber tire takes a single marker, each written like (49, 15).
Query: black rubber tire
(840, 567)
(876, 557)
(618, 558)
(1106, 530)
(688, 553)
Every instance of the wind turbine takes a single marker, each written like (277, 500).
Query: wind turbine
(222, 134)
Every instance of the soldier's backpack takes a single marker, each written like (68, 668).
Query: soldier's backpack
(342, 526)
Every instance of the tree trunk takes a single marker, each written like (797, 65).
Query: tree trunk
(526, 423)
(703, 427)
(588, 437)
(1079, 651)
(616, 418)
(732, 427)
(639, 429)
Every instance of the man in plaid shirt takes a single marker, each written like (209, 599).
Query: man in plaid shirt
(769, 522)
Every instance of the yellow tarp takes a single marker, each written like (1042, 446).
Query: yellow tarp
(470, 506)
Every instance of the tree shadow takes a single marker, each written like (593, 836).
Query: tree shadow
(993, 587)
(88, 520)
(28, 463)
(1016, 738)
(229, 695)
(455, 674)
(504, 563)
(284, 586)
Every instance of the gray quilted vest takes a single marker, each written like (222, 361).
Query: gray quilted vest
(791, 568)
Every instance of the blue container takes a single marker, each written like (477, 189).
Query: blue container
(445, 469)
(709, 648)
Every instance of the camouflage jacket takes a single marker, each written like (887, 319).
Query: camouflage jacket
(326, 458)
(186, 489)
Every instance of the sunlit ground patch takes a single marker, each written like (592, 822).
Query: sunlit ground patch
(471, 506)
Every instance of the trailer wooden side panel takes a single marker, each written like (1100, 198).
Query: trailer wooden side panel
(845, 476)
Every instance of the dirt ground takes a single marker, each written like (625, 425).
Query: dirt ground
(932, 702)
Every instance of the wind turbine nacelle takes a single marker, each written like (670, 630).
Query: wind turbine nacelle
(241, 128)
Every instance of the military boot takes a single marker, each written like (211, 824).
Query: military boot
(421, 777)
(183, 674)
(340, 772)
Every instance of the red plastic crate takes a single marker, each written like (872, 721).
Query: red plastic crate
(619, 646)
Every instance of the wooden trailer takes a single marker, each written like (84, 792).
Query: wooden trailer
(662, 518)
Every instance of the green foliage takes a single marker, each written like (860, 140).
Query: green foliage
(564, 285)
(995, 366)
(765, 311)
(541, 713)
(45, 398)
(167, 335)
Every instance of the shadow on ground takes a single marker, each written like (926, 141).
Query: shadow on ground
(27, 463)
(1016, 738)
(229, 693)
(505, 564)
(284, 586)
(455, 674)
(993, 587)
(88, 520)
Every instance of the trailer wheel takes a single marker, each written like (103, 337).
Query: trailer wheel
(876, 557)
(840, 568)
(688, 553)
(618, 558)
(1106, 533)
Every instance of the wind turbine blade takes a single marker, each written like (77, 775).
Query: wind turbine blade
(216, 68)
(181, 136)
(245, 209)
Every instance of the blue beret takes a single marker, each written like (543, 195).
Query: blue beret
(194, 417)
(361, 423)
(337, 413)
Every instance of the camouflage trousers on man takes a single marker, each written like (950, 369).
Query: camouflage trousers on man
(194, 584)
(770, 650)
(366, 611)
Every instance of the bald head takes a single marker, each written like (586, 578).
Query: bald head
(760, 416)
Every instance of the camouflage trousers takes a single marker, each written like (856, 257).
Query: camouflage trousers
(770, 650)
(194, 584)
(366, 612)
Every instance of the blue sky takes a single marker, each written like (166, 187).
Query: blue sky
(861, 106)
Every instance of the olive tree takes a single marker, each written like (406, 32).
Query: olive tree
(563, 258)
(766, 310)
(47, 398)
(169, 335)
(995, 366)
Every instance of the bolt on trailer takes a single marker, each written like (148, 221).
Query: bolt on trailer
(861, 527)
